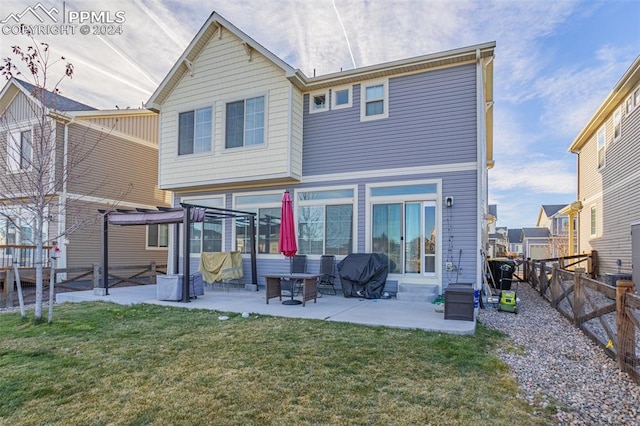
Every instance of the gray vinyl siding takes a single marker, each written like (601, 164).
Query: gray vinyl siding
(621, 198)
(459, 225)
(432, 121)
(21, 109)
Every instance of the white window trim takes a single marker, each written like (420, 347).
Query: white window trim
(249, 207)
(332, 201)
(617, 112)
(334, 105)
(213, 128)
(325, 108)
(203, 201)
(593, 210)
(598, 148)
(156, 248)
(14, 151)
(436, 196)
(224, 121)
(363, 102)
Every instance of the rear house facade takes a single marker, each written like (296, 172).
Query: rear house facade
(390, 158)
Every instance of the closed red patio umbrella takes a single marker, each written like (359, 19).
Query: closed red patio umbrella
(287, 244)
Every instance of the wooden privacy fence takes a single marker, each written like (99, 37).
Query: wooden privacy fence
(609, 316)
(75, 279)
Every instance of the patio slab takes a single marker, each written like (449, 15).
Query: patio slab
(372, 312)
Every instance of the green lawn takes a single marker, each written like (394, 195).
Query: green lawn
(100, 364)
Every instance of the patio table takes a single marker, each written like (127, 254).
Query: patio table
(309, 287)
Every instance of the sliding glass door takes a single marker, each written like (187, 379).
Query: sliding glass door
(407, 233)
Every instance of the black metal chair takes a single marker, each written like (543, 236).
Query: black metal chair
(326, 284)
(298, 265)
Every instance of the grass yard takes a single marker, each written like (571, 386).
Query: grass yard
(101, 363)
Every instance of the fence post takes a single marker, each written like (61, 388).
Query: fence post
(152, 275)
(578, 296)
(592, 264)
(542, 278)
(8, 288)
(626, 345)
(555, 285)
(99, 288)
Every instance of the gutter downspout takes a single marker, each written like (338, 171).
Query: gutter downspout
(481, 169)
(62, 202)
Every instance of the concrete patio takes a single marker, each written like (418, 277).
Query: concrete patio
(372, 312)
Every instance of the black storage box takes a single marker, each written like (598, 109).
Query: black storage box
(458, 302)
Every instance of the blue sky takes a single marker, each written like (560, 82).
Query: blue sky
(555, 62)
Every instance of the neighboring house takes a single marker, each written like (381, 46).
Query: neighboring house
(390, 158)
(118, 168)
(515, 242)
(608, 150)
(552, 216)
(498, 242)
(535, 243)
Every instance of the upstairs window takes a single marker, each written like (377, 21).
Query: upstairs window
(341, 97)
(601, 139)
(245, 122)
(374, 102)
(318, 101)
(19, 151)
(617, 124)
(194, 131)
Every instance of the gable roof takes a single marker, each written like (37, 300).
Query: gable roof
(539, 232)
(514, 236)
(216, 23)
(52, 101)
(624, 86)
(551, 209)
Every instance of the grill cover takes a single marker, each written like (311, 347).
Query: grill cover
(363, 274)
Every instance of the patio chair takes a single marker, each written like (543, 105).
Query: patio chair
(298, 265)
(326, 282)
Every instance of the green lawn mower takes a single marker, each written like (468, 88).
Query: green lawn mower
(508, 301)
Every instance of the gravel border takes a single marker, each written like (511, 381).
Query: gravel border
(555, 363)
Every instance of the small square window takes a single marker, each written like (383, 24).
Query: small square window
(318, 101)
(341, 97)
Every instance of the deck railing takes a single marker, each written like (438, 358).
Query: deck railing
(21, 255)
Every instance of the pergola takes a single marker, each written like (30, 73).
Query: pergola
(186, 214)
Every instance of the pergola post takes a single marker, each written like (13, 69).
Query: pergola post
(254, 268)
(186, 220)
(105, 254)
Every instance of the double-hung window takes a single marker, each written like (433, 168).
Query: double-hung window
(245, 122)
(374, 100)
(195, 131)
(601, 142)
(325, 221)
(158, 235)
(617, 123)
(20, 150)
